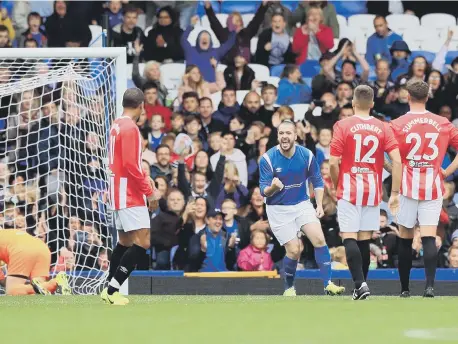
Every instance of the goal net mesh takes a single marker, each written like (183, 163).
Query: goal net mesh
(54, 119)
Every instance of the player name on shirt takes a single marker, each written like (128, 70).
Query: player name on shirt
(365, 126)
(420, 120)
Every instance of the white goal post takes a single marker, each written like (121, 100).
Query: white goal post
(56, 109)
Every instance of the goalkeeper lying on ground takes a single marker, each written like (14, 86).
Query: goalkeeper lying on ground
(28, 258)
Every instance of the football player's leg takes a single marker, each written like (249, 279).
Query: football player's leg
(19, 268)
(15, 286)
(293, 249)
(40, 270)
(369, 222)
(124, 242)
(363, 242)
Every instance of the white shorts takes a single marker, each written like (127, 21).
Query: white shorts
(357, 218)
(132, 219)
(427, 212)
(286, 220)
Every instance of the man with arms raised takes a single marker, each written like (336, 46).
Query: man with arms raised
(128, 189)
(284, 174)
(423, 141)
(357, 159)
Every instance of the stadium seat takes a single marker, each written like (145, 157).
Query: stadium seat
(349, 8)
(172, 74)
(96, 32)
(253, 45)
(438, 20)
(247, 18)
(291, 5)
(277, 70)
(261, 72)
(205, 23)
(363, 23)
(336, 44)
(221, 67)
(241, 96)
(451, 55)
(273, 80)
(342, 20)
(443, 36)
(194, 33)
(299, 111)
(399, 23)
(172, 95)
(147, 30)
(348, 32)
(129, 70)
(417, 37)
(243, 7)
(141, 21)
(429, 56)
(141, 68)
(216, 99)
(310, 68)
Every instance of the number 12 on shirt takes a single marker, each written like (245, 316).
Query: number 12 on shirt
(369, 141)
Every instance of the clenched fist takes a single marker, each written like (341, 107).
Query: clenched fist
(277, 185)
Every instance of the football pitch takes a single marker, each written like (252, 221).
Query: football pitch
(229, 319)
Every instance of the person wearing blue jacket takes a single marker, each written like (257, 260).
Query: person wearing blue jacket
(291, 89)
(379, 44)
(203, 55)
(400, 62)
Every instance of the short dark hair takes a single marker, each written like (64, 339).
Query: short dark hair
(379, 17)
(28, 40)
(346, 107)
(198, 173)
(4, 28)
(277, 14)
(229, 88)
(133, 98)
(418, 90)
(130, 9)
(33, 14)
(268, 87)
(149, 85)
(383, 213)
(187, 95)
(191, 118)
(238, 118)
(162, 146)
(205, 99)
(344, 83)
(349, 62)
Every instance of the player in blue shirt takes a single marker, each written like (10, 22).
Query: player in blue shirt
(285, 171)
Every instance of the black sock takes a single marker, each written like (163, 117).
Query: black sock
(430, 259)
(354, 261)
(404, 262)
(126, 266)
(364, 248)
(118, 252)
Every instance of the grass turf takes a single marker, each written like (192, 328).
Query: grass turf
(228, 319)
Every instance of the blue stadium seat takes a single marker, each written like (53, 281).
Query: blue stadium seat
(277, 70)
(291, 5)
(429, 56)
(348, 8)
(451, 55)
(310, 68)
(243, 7)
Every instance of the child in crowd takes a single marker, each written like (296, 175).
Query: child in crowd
(324, 141)
(114, 12)
(255, 256)
(156, 136)
(34, 32)
(177, 123)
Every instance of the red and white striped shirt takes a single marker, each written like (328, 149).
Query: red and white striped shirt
(128, 184)
(361, 142)
(423, 141)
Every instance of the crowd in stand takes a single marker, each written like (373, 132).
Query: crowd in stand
(211, 216)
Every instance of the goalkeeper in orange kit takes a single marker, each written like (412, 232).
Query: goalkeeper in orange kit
(28, 258)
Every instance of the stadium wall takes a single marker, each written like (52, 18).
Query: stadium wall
(381, 282)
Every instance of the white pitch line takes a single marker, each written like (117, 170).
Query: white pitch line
(441, 334)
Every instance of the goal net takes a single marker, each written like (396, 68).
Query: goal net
(55, 114)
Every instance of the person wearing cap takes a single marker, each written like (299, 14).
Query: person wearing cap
(400, 53)
(218, 249)
(379, 43)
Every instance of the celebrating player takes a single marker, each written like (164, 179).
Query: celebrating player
(128, 189)
(358, 145)
(28, 258)
(423, 140)
(284, 174)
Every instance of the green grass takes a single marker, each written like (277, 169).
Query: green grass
(226, 319)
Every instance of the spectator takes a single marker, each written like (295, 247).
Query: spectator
(380, 42)
(267, 110)
(348, 72)
(184, 9)
(193, 81)
(203, 54)
(324, 141)
(437, 96)
(114, 13)
(30, 43)
(292, 89)
(329, 112)
(274, 8)
(153, 106)
(156, 134)
(162, 167)
(382, 86)
(4, 38)
(228, 106)
(249, 111)
(190, 104)
(454, 239)
(5, 20)
(234, 155)
(218, 249)
(239, 76)
(202, 164)
(320, 83)
(163, 41)
(231, 187)
(34, 31)
(419, 68)
(313, 38)
(255, 256)
(329, 14)
(127, 33)
(344, 93)
(346, 111)
(162, 185)
(177, 124)
(103, 263)
(399, 59)
(192, 126)
(235, 24)
(151, 73)
(232, 223)
(453, 257)
(164, 228)
(274, 46)
(397, 103)
(209, 124)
